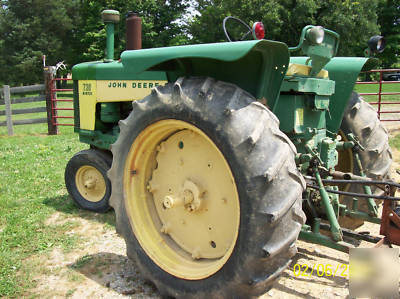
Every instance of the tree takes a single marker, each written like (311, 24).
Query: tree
(389, 21)
(73, 31)
(355, 21)
(159, 23)
(28, 30)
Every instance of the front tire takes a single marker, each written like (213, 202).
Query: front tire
(86, 180)
(256, 223)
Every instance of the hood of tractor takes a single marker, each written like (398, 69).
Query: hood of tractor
(256, 66)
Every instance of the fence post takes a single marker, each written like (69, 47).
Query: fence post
(7, 102)
(49, 72)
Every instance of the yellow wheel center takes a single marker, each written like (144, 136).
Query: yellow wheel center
(181, 199)
(90, 183)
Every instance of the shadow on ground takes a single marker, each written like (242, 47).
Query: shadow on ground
(115, 272)
(65, 204)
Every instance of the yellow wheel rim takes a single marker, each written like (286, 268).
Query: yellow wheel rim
(90, 183)
(181, 199)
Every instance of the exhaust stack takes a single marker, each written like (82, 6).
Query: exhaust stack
(110, 17)
(133, 31)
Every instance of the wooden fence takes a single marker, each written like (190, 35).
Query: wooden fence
(45, 96)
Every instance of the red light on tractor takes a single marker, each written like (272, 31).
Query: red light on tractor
(258, 30)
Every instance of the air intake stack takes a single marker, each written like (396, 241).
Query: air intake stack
(110, 18)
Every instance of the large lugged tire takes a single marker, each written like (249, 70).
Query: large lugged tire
(86, 180)
(231, 229)
(361, 119)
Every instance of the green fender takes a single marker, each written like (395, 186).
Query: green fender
(344, 71)
(256, 66)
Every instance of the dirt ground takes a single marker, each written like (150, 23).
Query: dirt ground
(100, 268)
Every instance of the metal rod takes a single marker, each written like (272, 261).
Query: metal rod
(387, 103)
(330, 213)
(383, 112)
(62, 89)
(371, 182)
(389, 93)
(353, 234)
(57, 124)
(307, 235)
(357, 194)
(367, 189)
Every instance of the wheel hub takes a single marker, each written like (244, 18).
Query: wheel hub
(181, 199)
(90, 183)
(191, 189)
(190, 198)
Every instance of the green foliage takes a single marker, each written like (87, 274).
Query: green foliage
(28, 30)
(73, 31)
(355, 21)
(159, 24)
(389, 21)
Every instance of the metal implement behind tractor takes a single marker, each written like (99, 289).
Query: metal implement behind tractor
(211, 155)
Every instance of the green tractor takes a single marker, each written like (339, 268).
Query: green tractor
(217, 157)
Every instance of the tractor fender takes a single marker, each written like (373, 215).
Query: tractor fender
(344, 71)
(256, 66)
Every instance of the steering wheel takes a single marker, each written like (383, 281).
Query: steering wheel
(237, 20)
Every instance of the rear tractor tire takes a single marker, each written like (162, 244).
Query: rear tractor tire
(86, 180)
(361, 119)
(206, 191)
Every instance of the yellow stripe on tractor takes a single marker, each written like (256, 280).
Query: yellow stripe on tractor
(92, 92)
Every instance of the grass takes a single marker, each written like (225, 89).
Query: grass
(31, 190)
(31, 171)
(395, 141)
(82, 261)
(370, 88)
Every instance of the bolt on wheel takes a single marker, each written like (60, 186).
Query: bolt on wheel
(181, 190)
(206, 191)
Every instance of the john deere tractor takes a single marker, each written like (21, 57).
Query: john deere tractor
(216, 157)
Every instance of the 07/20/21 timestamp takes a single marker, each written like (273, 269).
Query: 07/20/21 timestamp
(305, 270)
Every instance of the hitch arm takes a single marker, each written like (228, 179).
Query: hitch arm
(330, 213)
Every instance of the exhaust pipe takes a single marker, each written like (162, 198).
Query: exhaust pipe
(133, 31)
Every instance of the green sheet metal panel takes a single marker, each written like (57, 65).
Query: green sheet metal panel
(256, 66)
(344, 71)
(295, 114)
(308, 85)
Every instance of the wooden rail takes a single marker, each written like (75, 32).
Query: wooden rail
(45, 96)
(6, 100)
